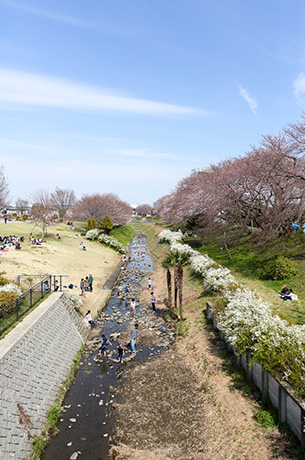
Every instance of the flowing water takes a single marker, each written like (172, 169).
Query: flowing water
(88, 417)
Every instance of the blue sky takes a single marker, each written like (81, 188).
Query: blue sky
(128, 96)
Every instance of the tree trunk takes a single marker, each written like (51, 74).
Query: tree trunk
(169, 289)
(180, 283)
(176, 284)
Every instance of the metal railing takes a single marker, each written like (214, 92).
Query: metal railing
(12, 312)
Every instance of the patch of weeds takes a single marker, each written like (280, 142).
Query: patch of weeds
(267, 416)
(53, 414)
(182, 328)
(265, 419)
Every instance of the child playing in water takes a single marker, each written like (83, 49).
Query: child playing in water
(103, 346)
(120, 353)
(133, 307)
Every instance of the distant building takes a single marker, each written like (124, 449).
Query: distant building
(134, 209)
(199, 170)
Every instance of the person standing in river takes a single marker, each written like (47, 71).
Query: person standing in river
(103, 347)
(133, 335)
(133, 307)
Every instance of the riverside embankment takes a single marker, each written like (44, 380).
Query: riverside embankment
(34, 359)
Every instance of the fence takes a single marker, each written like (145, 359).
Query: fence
(11, 312)
(290, 407)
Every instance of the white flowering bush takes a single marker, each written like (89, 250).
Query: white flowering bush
(250, 326)
(92, 234)
(183, 249)
(241, 318)
(11, 287)
(73, 298)
(217, 279)
(112, 242)
(167, 236)
(201, 263)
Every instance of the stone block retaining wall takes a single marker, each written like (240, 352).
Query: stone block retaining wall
(291, 408)
(35, 357)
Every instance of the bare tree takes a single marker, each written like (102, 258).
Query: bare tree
(62, 201)
(42, 208)
(4, 190)
(21, 205)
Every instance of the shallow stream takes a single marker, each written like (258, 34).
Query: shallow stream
(88, 416)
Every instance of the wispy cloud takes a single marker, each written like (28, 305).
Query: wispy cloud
(141, 154)
(26, 89)
(49, 14)
(250, 101)
(299, 89)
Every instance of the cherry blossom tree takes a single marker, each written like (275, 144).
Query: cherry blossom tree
(144, 210)
(264, 189)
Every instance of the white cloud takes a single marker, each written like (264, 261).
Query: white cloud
(250, 101)
(26, 89)
(49, 14)
(299, 88)
(141, 154)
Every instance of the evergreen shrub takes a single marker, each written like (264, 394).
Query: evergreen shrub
(279, 268)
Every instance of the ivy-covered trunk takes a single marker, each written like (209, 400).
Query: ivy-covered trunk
(169, 289)
(180, 284)
(176, 286)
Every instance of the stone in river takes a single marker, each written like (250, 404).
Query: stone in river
(74, 456)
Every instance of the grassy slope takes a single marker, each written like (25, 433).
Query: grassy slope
(124, 234)
(249, 257)
(57, 257)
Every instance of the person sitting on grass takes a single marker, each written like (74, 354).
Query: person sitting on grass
(284, 290)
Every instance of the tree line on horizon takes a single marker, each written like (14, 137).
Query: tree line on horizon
(62, 203)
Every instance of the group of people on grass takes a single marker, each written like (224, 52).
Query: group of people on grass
(10, 242)
(86, 285)
(36, 241)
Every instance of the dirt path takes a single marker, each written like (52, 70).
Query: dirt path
(185, 406)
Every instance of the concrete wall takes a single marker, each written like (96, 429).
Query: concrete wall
(35, 358)
(291, 408)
